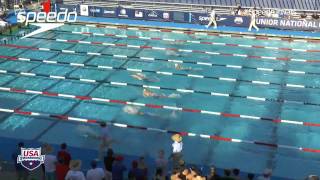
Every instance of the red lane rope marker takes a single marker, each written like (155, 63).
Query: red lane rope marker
(157, 106)
(165, 131)
(220, 33)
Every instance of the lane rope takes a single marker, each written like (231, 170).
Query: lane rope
(227, 79)
(187, 51)
(232, 66)
(191, 41)
(165, 131)
(212, 93)
(183, 109)
(305, 39)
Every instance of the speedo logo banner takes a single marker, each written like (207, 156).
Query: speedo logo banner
(46, 16)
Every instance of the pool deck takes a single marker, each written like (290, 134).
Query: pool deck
(198, 27)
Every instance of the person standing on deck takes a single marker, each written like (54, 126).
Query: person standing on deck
(177, 146)
(212, 19)
(253, 21)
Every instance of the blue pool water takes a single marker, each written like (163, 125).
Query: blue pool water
(289, 163)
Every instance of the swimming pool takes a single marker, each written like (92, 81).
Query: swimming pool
(239, 100)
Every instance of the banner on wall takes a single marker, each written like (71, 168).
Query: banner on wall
(70, 8)
(289, 23)
(195, 18)
(84, 10)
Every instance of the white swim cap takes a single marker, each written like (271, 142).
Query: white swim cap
(131, 109)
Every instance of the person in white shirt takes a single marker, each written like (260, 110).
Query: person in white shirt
(253, 21)
(74, 173)
(95, 173)
(49, 162)
(212, 19)
(177, 146)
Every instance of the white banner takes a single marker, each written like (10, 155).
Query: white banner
(84, 10)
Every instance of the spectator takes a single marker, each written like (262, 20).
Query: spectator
(118, 168)
(312, 177)
(74, 173)
(64, 154)
(213, 174)
(105, 140)
(304, 15)
(135, 172)
(236, 174)
(315, 16)
(142, 166)
(108, 175)
(162, 162)
(227, 175)
(238, 10)
(177, 146)
(22, 173)
(266, 175)
(95, 173)
(250, 176)
(49, 162)
(159, 175)
(61, 169)
(108, 160)
(192, 173)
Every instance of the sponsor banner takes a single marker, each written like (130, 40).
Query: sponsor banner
(158, 15)
(288, 23)
(84, 10)
(223, 20)
(195, 18)
(109, 12)
(95, 11)
(125, 13)
(139, 14)
(70, 8)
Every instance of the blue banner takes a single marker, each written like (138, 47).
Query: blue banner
(195, 18)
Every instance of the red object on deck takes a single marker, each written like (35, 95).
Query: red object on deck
(46, 6)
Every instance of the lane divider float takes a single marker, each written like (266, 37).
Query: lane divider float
(227, 79)
(179, 90)
(192, 41)
(163, 131)
(186, 50)
(183, 109)
(212, 33)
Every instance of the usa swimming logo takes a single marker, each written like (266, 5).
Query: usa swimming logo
(30, 158)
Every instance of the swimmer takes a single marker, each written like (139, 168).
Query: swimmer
(179, 67)
(148, 93)
(136, 110)
(133, 110)
(143, 77)
(172, 53)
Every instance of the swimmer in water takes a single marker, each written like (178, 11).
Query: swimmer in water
(172, 53)
(148, 93)
(143, 77)
(179, 67)
(136, 110)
